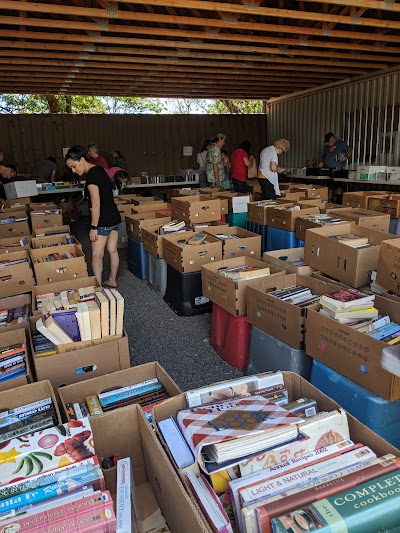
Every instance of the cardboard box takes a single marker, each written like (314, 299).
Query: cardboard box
(124, 210)
(51, 271)
(231, 294)
(79, 364)
(281, 258)
(173, 193)
(365, 217)
(16, 279)
(281, 319)
(190, 258)
(258, 211)
(205, 225)
(20, 189)
(21, 204)
(11, 302)
(212, 191)
(142, 200)
(153, 243)
(192, 209)
(292, 196)
(8, 338)
(13, 244)
(14, 229)
(157, 485)
(135, 223)
(303, 224)
(42, 206)
(46, 221)
(312, 191)
(360, 199)
(122, 378)
(224, 206)
(127, 197)
(53, 240)
(48, 232)
(34, 392)
(65, 285)
(143, 208)
(344, 263)
(351, 353)
(286, 220)
(388, 274)
(385, 204)
(237, 202)
(248, 245)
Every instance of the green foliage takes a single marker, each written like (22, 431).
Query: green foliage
(219, 107)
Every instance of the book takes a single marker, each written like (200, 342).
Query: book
(347, 299)
(95, 320)
(353, 314)
(102, 301)
(40, 326)
(128, 514)
(226, 430)
(53, 327)
(83, 318)
(68, 322)
(120, 303)
(177, 445)
(244, 272)
(350, 239)
(292, 499)
(112, 302)
(370, 507)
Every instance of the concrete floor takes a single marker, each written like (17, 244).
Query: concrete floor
(156, 333)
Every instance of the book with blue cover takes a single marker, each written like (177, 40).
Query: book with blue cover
(68, 322)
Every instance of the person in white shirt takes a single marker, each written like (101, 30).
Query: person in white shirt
(268, 169)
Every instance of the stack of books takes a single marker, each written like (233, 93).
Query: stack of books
(12, 362)
(224, 236)
(349, 306)
(353, 240)
(55, 257)
(41, 344)
(288, 208)
(45, 232)
(67, 240)
(147, 394)
(46, 212)
(324, 220)
(51, 481)
(96, 315)
(244, 272)
(65, 299)
(15, 315)
(297, 295)
(172, 227)
(5, 263)
(22, 242)
(300, 463)
(12, 220)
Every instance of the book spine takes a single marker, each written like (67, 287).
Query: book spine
(142, 401)
(123, 396)
(41, 421)
(132, 388)
(288, 501)
(17, 416)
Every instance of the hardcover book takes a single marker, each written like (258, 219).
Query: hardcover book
(68, 323)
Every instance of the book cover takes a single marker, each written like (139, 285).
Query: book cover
(176, 443)
(68, 322)
(128, 514)
(346, 298)
(53, 327)
(129, 388)
(112, 302)
(83, 318)
(102, 302)
(368, 508)
(94, 317)
(120, 304)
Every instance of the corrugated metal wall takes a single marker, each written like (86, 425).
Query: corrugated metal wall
(364, 112)
(151, 143)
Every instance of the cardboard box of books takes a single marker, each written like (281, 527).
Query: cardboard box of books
(14, 224)
(365, 217)
(15, 359)
(145, 385)
(203, 226)
(135, 223)
(388, 274)
(258, 211)
(153, 241)
(144, 208)
(291, 196)
(237, 202)
(360, 199)
(291, 260)
(385, 204)
(143, 200)
(237, 242)
(55, 240)
(55, 230)
(58, 263)
(312, 191)
(52, 290)
(16, 274)
(124, 209)
(315, 221)
(285, 217)
(187, 255)
(346, 252)
(14, 244)
(46, 218)
(15, 312)
(354, 353)
(185, 191)
(18, 203)
(225, 282)
(160, 494)
(279, 306)
(193, 209)
(332, 445)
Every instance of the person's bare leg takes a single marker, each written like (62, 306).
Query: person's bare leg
(97, 256)
(112, 249)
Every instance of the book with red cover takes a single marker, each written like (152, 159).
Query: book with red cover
(347, 298)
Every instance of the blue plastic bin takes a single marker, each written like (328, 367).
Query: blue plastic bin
(260, 229)
(280, 239)
(378, 414)
(236, 219)
(137, 259)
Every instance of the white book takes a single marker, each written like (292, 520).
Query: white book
(83, 318)
(44, 331)
(128, 512)
(113, 310)
(176, 443)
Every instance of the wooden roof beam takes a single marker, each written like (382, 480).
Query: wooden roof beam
(384, 5)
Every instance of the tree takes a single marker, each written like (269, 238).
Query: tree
(237, 106)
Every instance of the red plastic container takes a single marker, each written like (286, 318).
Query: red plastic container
(230, 337)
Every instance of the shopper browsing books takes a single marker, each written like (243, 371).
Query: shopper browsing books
(105, 217)
(268, 170)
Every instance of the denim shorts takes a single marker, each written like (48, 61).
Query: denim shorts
(106, 230)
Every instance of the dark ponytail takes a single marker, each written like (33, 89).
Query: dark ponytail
(76, 152)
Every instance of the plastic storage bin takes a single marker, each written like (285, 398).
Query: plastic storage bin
(236, 219)
(378, 414)
(260, 229)
(394, 226)
(157, 274)
(122, 236)
(184, 293)
(137, 258)
(280, 239)
(230, 337)
(269, 353)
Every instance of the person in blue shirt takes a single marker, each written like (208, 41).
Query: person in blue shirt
(336, 152)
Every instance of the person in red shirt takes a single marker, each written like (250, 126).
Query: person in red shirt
(95, 157)
(239, 162)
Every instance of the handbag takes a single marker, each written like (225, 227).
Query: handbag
(252, 168)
